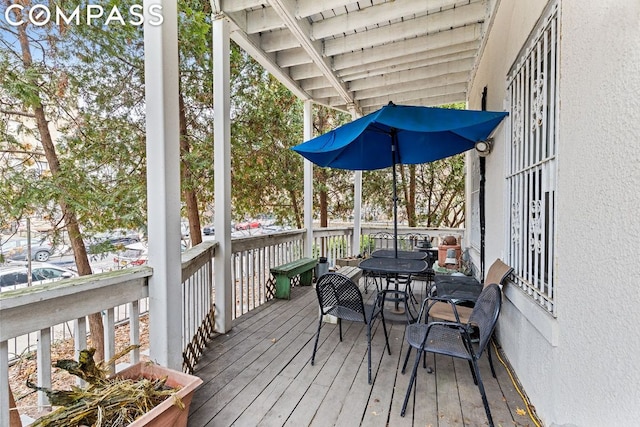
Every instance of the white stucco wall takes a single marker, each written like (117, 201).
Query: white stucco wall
(582, 368)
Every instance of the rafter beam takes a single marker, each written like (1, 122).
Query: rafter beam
(371, 16)
(251, 45)
(460, 66)
(301, 30)
(425, 25)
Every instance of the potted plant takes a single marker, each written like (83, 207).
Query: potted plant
(144, 394)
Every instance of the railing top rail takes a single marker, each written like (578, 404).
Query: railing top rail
(70, 299)
(332, 231)
(197, 256)
(264, 240)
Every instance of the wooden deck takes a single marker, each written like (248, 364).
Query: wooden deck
(259, 374)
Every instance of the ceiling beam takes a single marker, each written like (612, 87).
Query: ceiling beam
(251, 45)
(374, 15)
(428, 101)
(404, 48)
(292, 57)
(423, 59)
(416, 90)
(429, 24)
(301, 31)
(406, 93)
(229, 6)
(461, 66)
(419, 60)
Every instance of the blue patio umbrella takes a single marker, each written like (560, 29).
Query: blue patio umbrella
(400, 134)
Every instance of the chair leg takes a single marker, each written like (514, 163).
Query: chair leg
(406, 359)
(369, 351)
(473, 373)
(493, 371)
(315, 345)
(482, 393)
(409, 314)
(410, 291)
(386, 335)
(411, 381)
(340, 327)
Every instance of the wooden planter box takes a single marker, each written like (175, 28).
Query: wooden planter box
(166, 414)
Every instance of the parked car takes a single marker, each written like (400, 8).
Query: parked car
(133, 255)
(16, 248)
(247, 225)
(208, 230)
(15, 275)
(112, 241)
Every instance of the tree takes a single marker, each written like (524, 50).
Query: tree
(266, 174)
(30, 89)
(195, 95)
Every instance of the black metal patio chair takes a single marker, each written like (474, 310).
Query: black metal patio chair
(339, 296)
(461, 311)
(454, 338)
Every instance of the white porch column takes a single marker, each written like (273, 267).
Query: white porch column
(357, 212)
(357, 200)
(222, 173)
(308, 182)
(163, 186)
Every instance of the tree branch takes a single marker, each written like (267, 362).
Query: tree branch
(18, 113)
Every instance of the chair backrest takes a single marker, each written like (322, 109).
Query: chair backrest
(485, 313)
(497, 273)
(337, 290)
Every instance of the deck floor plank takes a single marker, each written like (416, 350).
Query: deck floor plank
(259, 374)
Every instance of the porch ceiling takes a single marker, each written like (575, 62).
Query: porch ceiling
(343, 53)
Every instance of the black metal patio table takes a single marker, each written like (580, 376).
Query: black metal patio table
(390, 253)
(394, 267)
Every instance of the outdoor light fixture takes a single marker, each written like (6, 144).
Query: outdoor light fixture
(484, 147)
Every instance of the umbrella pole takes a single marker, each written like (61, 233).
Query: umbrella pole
(394, 147)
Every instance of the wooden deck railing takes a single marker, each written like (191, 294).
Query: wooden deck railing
(39, 308)
(252, 258)
(120, 294)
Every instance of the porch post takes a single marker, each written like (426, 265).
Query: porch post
(357, 212)
(163, 186)
(308, 182)
(222, 173)
(357, 200)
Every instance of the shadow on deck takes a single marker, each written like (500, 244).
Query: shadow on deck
(260, 374)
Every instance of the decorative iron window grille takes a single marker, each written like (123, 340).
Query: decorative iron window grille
(532, 87)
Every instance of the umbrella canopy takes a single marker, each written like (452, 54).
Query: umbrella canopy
(400, 134)
(423, 134)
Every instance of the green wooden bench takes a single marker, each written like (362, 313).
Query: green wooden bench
(300, 270)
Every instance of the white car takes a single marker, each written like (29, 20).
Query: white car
(15, 275)
(134, 255)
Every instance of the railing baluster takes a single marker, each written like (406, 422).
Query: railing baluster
(44, 365)
(134, 330)
(80, 341)
(4, 383)
(108, 319)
